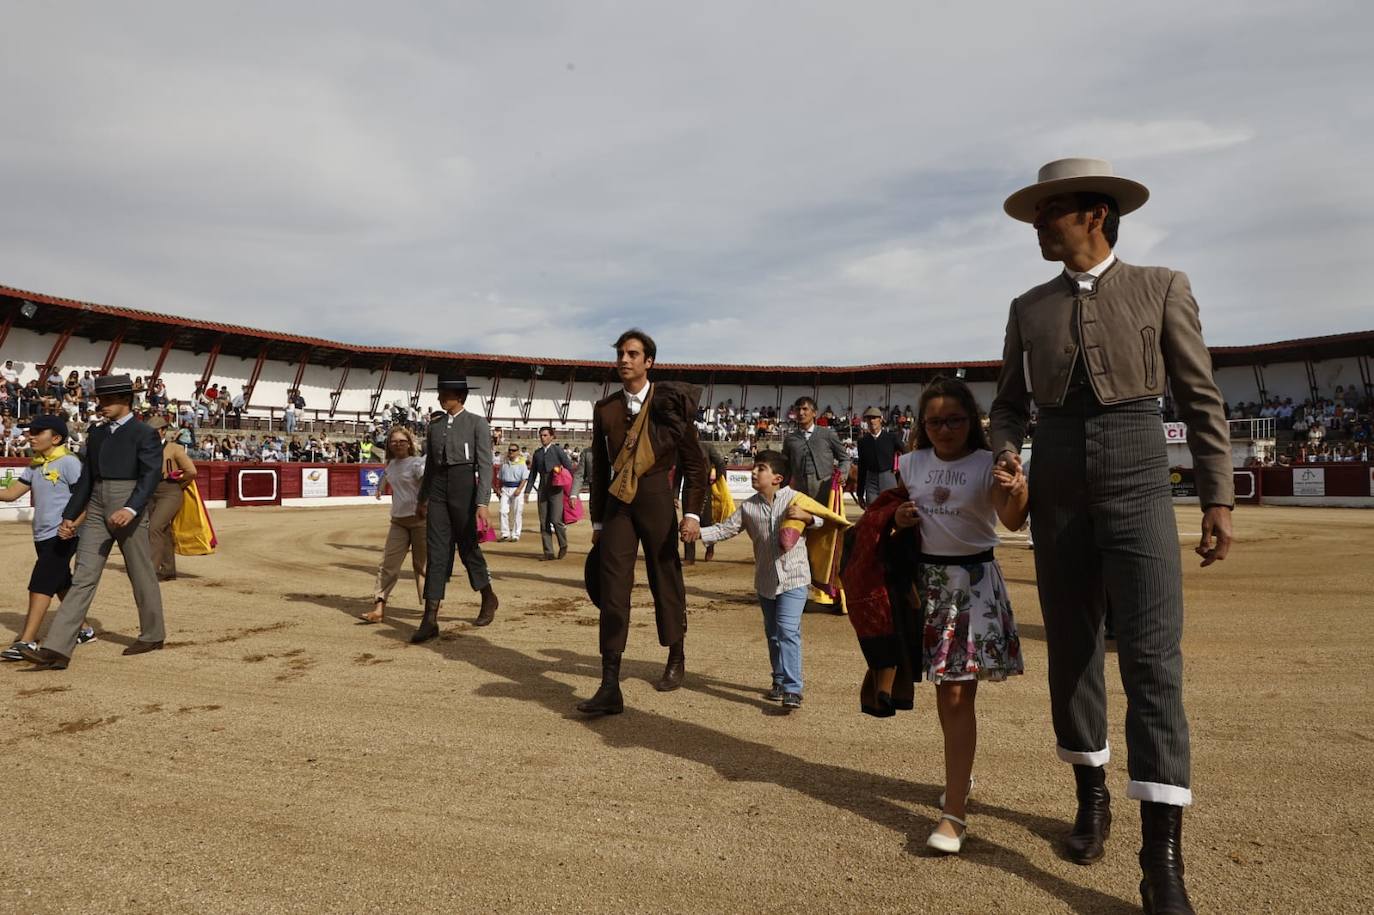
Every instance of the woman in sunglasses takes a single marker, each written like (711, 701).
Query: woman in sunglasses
(957, 495)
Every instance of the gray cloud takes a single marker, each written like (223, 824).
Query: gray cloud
(531, 177)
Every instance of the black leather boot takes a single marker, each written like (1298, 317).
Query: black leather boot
(1161, 860)
(674, 671)
(1093, 824)
(429, 624)
(607, 700)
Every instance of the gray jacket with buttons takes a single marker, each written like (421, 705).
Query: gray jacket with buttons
(1140, 332)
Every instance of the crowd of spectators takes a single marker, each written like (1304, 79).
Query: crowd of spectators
(754, 427)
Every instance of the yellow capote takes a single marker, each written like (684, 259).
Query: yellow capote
(192, 532)
(722, 503)
(822, 545)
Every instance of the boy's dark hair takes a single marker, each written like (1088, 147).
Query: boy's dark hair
(804, 399)
(1087, 200)
(634, 333)
(777, 462)
(951, 387)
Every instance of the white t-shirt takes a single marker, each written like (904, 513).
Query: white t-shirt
(954, 499)
(404, 475)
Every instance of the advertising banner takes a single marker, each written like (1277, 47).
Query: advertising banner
(1182, 483)
(740, 485)
(1176, 433)
(6, 480)
(1309, 481)
(314, 483)
(369, 478)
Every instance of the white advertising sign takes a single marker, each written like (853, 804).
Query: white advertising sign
(738, 481)
(314, 483)
(1309, 481)
(1175, 433)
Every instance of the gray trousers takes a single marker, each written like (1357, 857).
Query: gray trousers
(877, 483)
(97, 538)
(451, 523)
(550, 504)
(1104, 530)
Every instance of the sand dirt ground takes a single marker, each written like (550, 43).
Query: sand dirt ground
(278, 757)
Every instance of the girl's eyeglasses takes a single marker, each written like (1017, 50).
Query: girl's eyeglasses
(952, 423)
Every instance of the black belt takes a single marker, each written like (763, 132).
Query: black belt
(975, 559)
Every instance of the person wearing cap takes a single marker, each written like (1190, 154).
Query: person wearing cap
(454, 492)
(121, 470)
(1096, 347)
(50, 476)
(878, 450)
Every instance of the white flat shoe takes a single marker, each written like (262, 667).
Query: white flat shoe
(948, 845)
(966, 797)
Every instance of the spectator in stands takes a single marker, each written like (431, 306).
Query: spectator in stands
(30, 400)
(9, 375)
(288, 418)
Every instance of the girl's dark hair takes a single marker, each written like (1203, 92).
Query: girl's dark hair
(951, 387)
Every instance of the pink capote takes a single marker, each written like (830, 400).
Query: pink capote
(572, 505)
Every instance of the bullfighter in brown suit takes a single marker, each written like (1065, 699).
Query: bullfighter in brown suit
(639, 434)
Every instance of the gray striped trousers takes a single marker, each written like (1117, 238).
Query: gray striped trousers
(1103, 524)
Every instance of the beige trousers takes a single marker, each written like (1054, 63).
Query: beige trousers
(404, 533)
(162, 511)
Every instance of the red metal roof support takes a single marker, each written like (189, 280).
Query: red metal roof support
(816, 388)
(254, 376)
(58, 346)
(711, 391)
(112, 351)
(1259, 381)
(335, 394)
(567, 397)
(300, 370)
(209, 365)
(1312, 379)
(162, 356)
(529, 398)
(381, 386)
(850, 408)
(491, 401)
(887, 399)
(744, 396)
(1366, 375)
(419, 383)
(5, 328)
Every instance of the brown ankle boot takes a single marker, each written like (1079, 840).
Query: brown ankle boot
(489, 605)
(675, 670)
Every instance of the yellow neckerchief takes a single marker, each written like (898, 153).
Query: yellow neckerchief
(55, 454)
(38, 462)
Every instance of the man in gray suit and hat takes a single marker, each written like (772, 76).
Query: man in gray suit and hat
(1096, 347)
(122, 467)
(454, 494)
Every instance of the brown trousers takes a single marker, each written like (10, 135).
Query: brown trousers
(404, 534)
(652, 521)
(162, 509)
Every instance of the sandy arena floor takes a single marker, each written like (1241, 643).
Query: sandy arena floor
(278, 757)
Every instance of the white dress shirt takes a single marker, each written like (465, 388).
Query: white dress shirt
(1087, 280)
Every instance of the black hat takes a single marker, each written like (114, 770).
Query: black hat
(453, 382)
(53, 423)
(591, 575)
(114, 384)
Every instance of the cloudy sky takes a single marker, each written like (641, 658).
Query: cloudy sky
(755, 182)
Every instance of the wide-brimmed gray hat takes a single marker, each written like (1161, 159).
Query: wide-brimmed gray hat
(872, 412)
(114, 384)
(1067, 176)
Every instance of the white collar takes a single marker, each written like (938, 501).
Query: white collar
(1094, 272)
(643, 393)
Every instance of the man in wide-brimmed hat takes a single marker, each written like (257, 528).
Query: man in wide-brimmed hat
(454, 494)
(1096, 347)
(123, 465)
(878, 449)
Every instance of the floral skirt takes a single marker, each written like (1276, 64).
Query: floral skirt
(969, 630)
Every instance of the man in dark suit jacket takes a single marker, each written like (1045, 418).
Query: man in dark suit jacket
(454, 492)
(814, 451)
(877, 451)
(546, 457)
(123, 465)
(639, 434)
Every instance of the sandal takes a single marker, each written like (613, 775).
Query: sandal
(948, 845)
